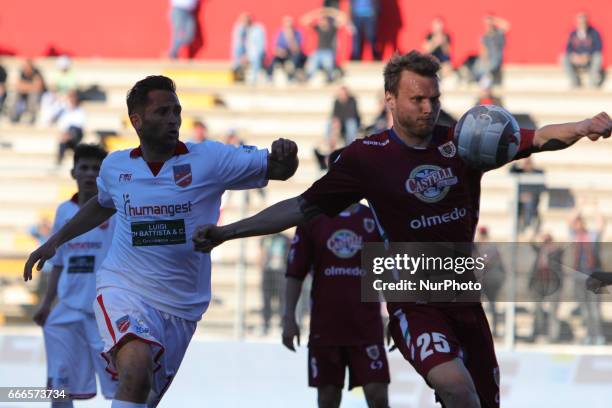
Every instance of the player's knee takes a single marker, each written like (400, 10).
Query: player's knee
(454, 385)
(458, 396)
(329, 396)
(376, 395)
(135, 366)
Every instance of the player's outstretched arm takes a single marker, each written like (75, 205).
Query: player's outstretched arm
(291, 329)
(561, 136)
(89, 216)
(276, 218)
(282, 160)
(41, 314)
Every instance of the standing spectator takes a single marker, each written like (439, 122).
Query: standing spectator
(364, 15)
(3, 77)
(325, 22)
(200, 132)
(437, 43)
(71, 125)
(183, 24)
(273, 261)
(288, 49)
(529, 193)
(55, 100)
(486, 68)
(346, 113)
(30, 88)
(383, 120)
(248, 48)
(586, 260)
(41, 230)
(583, 51)
(487, 97)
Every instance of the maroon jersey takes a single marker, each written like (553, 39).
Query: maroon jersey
(331, 248)
(416, 194)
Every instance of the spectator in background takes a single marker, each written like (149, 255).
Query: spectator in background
(325, 22)
(182, 15)
(3, 76)
(346, 114)
(71, 124)
(248, 48)
(486, 96)
(200, 132)
(288, 50)
(55, 100)
(273, 262)
(364, 16)
(486, 68)
(529, 193)
(382, 121)
(494, 273)
(583, 51)
(30, 88)
(437, 43)
(42, 230)
(586, 260)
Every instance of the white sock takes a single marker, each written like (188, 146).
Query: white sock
(126, 404)
(62, 404)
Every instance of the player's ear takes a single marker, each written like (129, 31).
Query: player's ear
(136, 120)
(390, 100)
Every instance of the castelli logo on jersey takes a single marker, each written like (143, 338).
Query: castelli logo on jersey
(344, 243)
(430, 183)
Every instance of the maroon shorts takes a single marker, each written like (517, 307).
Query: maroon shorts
(428, 336)
(366, 364)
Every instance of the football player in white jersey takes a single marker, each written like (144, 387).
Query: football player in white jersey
(153, 288)
(72, 341)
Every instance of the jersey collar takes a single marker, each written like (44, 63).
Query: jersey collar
(75, 198)
(181, 148)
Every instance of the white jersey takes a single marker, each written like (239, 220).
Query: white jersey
(80, 258)
(158, 210)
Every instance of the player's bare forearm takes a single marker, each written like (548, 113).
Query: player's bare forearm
(561, 136)
(276, 218)
(87, 218)
(293, 289)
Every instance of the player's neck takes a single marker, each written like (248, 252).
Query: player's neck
(85, 196)
(153, 154)
(410, 139)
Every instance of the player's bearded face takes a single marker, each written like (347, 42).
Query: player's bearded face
(416, 106)
(161, 121)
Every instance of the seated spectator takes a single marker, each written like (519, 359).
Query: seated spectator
(437, 43)
(71, 124)
(382, 121)
(325, 22)
(248, 48)
(364, 16)
(200, 132)
(583, 52)
(55, 100)
(288, 50)
(30, 88)
(486, 68)
(346, 113)
(3, 77)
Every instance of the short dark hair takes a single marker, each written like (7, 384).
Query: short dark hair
(423, 64)
(138, 96)
(88, 151)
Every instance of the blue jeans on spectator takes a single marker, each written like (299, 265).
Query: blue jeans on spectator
(349, 130)
(256, 64)
(365, 29)
(183, 29)
(325, 59)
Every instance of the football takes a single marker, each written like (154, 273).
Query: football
(487, 137)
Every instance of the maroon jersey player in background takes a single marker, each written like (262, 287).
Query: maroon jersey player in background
(344, 332)
(419, 190)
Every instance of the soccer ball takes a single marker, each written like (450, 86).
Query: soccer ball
(487, 137)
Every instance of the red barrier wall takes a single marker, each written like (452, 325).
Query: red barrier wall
(140, 28)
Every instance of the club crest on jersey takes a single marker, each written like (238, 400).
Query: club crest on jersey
(182, 175)
(448, 149)
(430, 183)
(344, 243)
(373, 352)
(123, 323)
(369, 225)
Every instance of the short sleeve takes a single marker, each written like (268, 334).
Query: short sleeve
(104, 197)
(340, 187)
(526, 144)
(300, 255)
(241, 168)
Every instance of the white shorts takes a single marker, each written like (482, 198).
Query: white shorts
(121, 313)
(73, 346)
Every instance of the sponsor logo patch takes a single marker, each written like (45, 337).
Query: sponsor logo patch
(81, 264)
(437, 219)
(430, 183)
(344, 243)
(123, 323)
(162, 232)
(376, 143)
(182, 175)
(125, 177)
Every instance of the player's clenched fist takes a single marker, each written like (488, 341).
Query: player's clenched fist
(282, 160)
(206, 237)
(598, 126)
